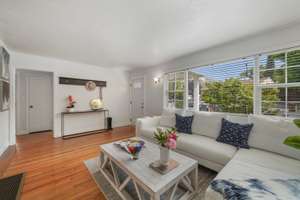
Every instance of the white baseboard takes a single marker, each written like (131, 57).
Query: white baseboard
(120, 124)
(22, 132)
(3, 148)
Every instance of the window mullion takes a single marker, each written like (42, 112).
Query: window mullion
(166, 91)
(286, 82)
(175, 86)
(196, 93)
(186, 90)
(256, 89)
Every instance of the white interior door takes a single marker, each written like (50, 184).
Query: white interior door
(40, 103)
(137, 99)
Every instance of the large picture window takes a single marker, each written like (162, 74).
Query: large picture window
(266, 84)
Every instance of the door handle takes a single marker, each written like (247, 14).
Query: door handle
(31, 106)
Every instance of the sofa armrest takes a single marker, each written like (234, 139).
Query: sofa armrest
(146, 122)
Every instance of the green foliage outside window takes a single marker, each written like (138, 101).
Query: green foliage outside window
(294, 141)
(179, 104)
(229, 96)
(234, 96)
(278, 75)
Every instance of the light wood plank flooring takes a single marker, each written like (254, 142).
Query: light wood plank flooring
(54, 167)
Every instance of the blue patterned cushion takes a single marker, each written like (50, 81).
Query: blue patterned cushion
(235, 134)
(184, 124)
(257, 189)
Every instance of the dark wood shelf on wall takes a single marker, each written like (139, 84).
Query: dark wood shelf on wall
(76, 81)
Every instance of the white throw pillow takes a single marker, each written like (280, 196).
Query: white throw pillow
(168, 112)
(268, 133)
(168, 116)
(207, 123)
(238, 118)
(167, 121)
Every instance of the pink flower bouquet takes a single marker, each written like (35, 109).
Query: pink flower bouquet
(71, 102)
(166, 138)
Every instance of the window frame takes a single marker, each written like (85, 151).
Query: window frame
(284, 85)
(167, 90)
(257, 85)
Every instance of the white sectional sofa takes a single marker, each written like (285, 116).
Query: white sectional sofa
(267, 158)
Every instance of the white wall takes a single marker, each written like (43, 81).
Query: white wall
(115, 95)
(266, 42)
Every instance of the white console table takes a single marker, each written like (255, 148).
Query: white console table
(63, 114)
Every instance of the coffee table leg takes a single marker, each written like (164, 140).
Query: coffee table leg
(155, 196)
(194, 178)
(100, 160)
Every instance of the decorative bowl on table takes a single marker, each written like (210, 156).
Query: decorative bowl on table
(134, 148)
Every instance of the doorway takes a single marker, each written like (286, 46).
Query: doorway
(34, 101)
(137, 98)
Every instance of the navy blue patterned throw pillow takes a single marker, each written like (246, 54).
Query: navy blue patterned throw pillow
(184, 124)
(235, 134)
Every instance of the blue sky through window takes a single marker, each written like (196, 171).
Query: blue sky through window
(223, 71)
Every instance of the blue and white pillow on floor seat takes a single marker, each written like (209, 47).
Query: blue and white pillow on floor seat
(273, 189)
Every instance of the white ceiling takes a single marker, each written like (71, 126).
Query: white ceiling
(135, 33)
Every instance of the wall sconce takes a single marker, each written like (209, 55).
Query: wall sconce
(156, 80)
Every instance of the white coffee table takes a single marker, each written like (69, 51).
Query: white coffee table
(180, 183)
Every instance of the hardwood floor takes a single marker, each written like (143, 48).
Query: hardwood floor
(54, 167)
(6, 158)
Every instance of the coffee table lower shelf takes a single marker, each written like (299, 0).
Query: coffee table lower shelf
(130, 188)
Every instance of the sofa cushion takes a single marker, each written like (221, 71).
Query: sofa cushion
(235, 134)
(168, 112)
(184, 124)
(238, 118)
(269, 133)
(257, 164)
(167, 121)
(168, 116)
(205, 148)
(148, 132)
(268, 160)
(207, 123)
